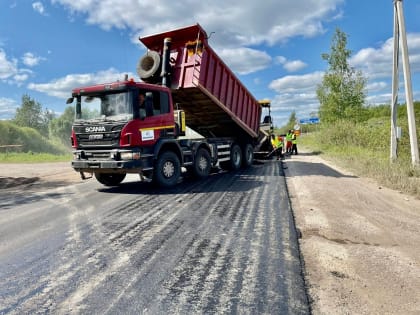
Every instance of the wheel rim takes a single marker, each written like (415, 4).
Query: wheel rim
(202, 164)
(168, 169)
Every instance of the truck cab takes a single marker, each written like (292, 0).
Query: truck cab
(119, 127)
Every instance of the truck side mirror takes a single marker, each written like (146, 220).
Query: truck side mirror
(70, 100)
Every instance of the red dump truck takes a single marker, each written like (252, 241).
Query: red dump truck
(142, 127)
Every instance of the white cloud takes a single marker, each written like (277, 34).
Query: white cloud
(294, 65)
(297, 83)
(377, 86)
(62, 87)
(281, 60)
(30, 60)
(8, 68)
(303, 104)
(291, 65)
(379, 99)
(376, 63)
(249, 23)
(245, 60)
(7, 108)
(10, 72)
(39, 7)
(295, 93)
(20, 77)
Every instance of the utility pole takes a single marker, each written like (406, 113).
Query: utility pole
(400, 38)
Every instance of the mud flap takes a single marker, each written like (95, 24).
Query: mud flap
(83, 176)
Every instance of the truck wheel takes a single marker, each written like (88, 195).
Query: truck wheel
(235, 159)
(149, 65)
(109, 179)
(167, 169)
(202, 163)
(248, 155)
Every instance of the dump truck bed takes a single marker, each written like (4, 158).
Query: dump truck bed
(216, 103)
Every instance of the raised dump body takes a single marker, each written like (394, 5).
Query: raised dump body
(216, 103)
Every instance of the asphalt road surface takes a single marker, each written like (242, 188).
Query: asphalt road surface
(223, 245)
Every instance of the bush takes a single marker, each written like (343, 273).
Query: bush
(29, 139)
(364, 148)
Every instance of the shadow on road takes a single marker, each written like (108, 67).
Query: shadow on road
(240, 181)
(30, 191)
(299, 168)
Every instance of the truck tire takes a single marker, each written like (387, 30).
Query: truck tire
(202, 164)
(248, 155)
(167, 169)
(235, 159)
(109, 179)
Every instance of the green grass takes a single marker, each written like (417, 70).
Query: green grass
(26, 145)
(366, 154)
(30, 157)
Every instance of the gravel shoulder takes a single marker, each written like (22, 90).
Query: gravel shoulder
(359, 241)
(36, 175)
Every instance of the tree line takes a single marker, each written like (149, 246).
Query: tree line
(31, 114)
(342, 92)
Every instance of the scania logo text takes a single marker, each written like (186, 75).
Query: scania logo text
(95, 129)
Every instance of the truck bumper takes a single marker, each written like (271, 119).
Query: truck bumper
(86, 162)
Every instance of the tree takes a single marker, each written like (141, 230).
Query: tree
(342, 92)
(31, 115)
(292, 121)
(61, 127)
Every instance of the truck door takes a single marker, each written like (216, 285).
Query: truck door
(156, 116)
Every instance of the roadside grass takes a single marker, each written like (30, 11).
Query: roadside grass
(27, 145)
(31, 157)
(366, 159)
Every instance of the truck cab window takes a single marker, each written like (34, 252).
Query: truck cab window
(164, 103)
(153, 103)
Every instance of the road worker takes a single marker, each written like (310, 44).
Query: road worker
(294, 144)
(289, 135)
(277, 146)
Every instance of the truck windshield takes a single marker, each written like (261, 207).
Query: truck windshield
(115, 106)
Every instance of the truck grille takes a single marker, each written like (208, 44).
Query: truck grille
(109, 138)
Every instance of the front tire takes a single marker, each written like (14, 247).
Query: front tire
(167, 169)
(109, 179)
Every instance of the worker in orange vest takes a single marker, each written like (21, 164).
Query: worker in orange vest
(289, 135)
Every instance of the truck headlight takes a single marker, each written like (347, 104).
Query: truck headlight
(130, 155)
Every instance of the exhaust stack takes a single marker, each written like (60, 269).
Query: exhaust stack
(166, 67)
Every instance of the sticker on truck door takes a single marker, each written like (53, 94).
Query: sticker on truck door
(147, 135)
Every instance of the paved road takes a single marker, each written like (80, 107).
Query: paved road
(226, 244)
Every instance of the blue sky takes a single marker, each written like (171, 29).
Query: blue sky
(274, 46)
